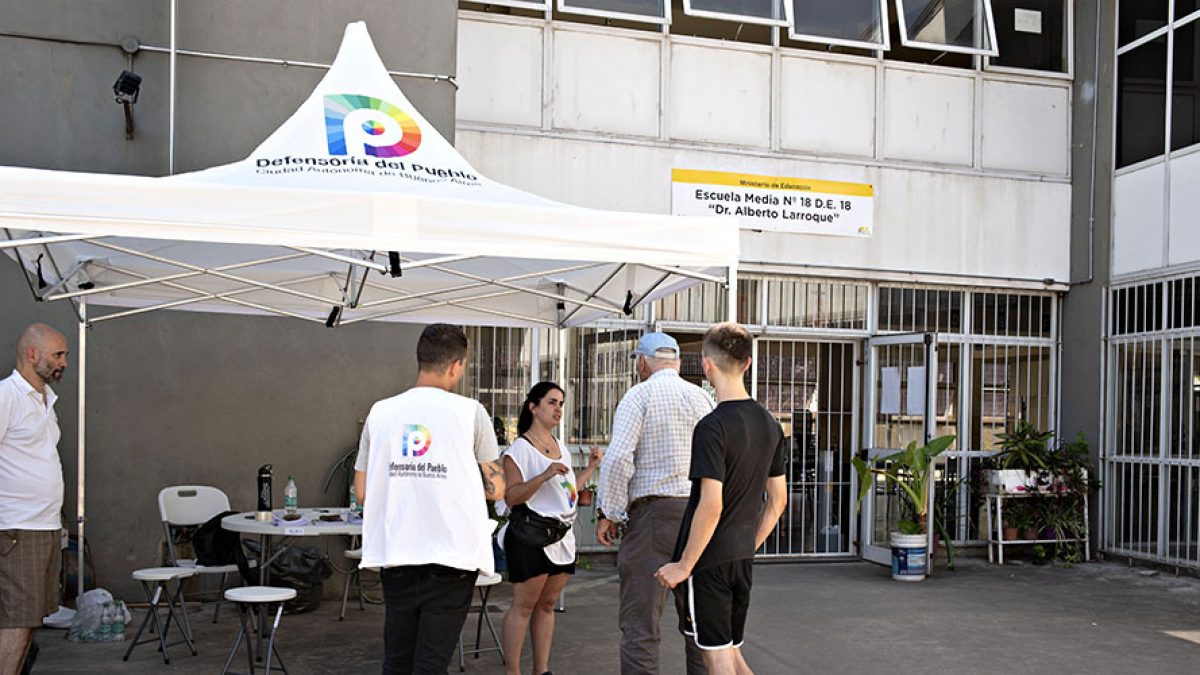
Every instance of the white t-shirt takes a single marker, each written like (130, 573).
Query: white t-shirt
(424, 501)
(554, 499)
(31, 480)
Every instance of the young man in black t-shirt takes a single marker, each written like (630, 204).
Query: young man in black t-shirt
(737, 455)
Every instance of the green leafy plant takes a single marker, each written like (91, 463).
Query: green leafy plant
(1025, 448)
(1023, 513)
(912, 471)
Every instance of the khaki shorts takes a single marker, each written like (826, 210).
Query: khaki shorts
(30, 565)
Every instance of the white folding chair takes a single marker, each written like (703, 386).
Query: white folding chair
(191, 506)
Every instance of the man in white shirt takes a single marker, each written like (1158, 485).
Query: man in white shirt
(644, 485)
(427, 465)
(31, 492)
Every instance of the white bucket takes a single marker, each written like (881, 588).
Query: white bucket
(910, 556)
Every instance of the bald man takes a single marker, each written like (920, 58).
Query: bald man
(31, 492)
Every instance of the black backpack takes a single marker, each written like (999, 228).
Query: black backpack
(214, 545)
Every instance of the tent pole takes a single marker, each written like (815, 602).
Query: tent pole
(171, 103)
(731, 283)
(80, 443)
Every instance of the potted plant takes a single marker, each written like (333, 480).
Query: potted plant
(1023, 461)
(1022, 518)
(587, 494)
(912, 471)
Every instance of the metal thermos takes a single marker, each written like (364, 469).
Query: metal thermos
(264, 491)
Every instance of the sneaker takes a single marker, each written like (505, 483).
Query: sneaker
(60, 619)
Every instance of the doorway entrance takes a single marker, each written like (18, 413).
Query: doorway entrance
(902, 404)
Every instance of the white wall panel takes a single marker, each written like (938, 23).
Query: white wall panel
(1138, 220)
(720, 95)
(1025, 127)
(606, 84)
(1185, 209)
(928, 117)
(499, 73)
(925, 221)
(827, 108)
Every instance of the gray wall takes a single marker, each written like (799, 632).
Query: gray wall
(1082, 327)
(182, 397)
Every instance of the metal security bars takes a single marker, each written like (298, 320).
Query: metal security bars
(812, 389)
(498, 374)
(814, 303)
(996, 366)
(1151, 463)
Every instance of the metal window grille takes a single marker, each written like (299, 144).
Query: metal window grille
(1151, 467)
(811, 388)
(916, 309)
(815, 303)
(706, 303)
(498, 374)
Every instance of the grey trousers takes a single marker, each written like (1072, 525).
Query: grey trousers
(648, 544)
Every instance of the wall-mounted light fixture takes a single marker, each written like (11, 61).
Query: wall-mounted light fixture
(126, 89)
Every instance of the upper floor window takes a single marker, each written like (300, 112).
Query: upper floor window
(847, 23)
(768, 12)
(963, 26)
(1032, 34)
(536, 5)
(1157, 80)
(1139, 18)
(653, 11)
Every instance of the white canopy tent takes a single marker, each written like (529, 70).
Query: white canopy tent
(355, 209)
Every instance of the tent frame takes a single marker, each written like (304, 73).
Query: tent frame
(481, 288)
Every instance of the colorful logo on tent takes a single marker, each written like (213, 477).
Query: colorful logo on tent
(383, 117)
(571, 494)
(416, 440)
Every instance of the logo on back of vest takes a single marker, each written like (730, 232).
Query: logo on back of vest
(416, 441)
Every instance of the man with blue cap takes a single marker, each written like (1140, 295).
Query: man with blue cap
(644, 486)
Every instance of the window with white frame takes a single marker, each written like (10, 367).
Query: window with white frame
(963, 26)
(535, 5)
(652, 11)
(768, 12)
(1158, 80)
(1032, 34)
(1185, 85)
(847, 23)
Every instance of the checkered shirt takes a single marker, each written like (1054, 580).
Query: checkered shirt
(651, 448)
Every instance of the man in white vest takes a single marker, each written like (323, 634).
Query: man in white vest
(427, 463)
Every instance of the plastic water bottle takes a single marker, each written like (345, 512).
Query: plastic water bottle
(290, 496)
(118, 625)
(353, 499)
(104, 632)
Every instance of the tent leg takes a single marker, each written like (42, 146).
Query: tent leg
(80, 449)
(731, 283)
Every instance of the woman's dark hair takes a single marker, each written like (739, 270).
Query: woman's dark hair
(535, 396)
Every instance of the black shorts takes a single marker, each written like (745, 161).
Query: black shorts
(525, 562)
(713, 603)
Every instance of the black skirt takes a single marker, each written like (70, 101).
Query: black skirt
(525, 562)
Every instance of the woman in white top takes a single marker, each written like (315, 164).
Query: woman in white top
(538, 475)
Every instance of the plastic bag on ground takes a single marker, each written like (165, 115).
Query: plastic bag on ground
(99, 618)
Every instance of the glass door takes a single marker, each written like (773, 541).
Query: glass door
(902, 373)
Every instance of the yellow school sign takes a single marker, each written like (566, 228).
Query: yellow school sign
(776, 203)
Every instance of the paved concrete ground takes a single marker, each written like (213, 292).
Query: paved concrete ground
(806, 618)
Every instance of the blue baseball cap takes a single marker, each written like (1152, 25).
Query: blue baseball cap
(658, 345)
